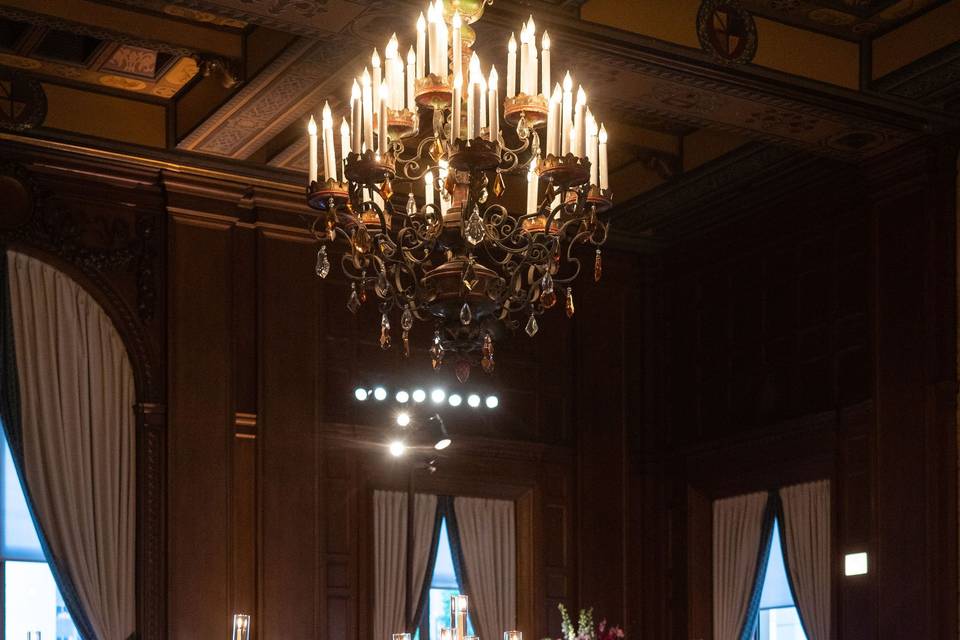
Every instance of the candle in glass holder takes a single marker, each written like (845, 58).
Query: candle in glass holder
(401, 636)
(241, 627)
(446, 633)
(512, 635)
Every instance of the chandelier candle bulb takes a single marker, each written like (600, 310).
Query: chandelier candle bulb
(389, 68)
(443, 37)
(592, 148)
(329, 167)
(383, 143)
(532, 187)
(545, 64)
(367, 111)
(494, 107)
(428, 188)
(312, 131)
(411, 72)
(482, 100)
(344, 148)
(375, 77)
(421, 46)
(355, 109)
(577, 141)
(456, 108)
(457, 45)
(432, 38)
(512, 67)
(524, 58)
(604, 169)
(567, 116)
(533, 61)
(553, 122)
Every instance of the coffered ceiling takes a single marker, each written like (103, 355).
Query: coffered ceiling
(237, 79)
(849, 19)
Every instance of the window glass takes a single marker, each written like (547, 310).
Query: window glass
(19, 536)
(31, 602)
(443, 585)
(778, 619)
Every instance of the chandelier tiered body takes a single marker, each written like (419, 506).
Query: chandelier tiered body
(450, 252)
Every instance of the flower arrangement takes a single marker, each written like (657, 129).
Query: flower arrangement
(585, 628)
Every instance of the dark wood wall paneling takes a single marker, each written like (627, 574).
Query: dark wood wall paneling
(272, 461)
(813, 338)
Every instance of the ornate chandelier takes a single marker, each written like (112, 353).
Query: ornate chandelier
(451, 252)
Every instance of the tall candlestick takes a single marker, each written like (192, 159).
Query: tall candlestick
(524, 59)
(367, 110)
(383, 145)
(457, 106)
(421, 46)
(512, 67)
(493, 110)
(356, 109)
(532, 187)
(375, 78)
(576, 144)
(592, 148)
(312, 132)
(329, 161)
(457, 46)
(533, 61)
(604, 168)
(567, 114)
(553, 123)
(344, 147)
(545, 65)
(411, 73)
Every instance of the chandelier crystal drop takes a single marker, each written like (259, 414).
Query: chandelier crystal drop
(417, 185)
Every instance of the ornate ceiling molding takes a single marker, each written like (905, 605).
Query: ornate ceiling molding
(280, 94)
(642, 77)
(933, 80)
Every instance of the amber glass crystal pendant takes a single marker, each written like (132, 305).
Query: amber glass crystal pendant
(597, 267)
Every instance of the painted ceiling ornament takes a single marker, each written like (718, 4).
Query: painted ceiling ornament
(23, 103)
(727, 31)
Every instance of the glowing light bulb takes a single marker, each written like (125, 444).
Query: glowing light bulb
(397, 448)
(473, 400)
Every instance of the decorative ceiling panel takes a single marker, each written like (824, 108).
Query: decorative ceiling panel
(849, 19)
(300, 78)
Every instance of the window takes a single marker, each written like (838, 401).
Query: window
(778, 617)
(443, 585)
(32, 604)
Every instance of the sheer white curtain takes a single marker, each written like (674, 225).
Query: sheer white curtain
(390, 556)
(77, 396)
(737, 533)
(806, 533)
(489, 547)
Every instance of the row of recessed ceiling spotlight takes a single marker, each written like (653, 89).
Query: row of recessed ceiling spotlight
(418, 396)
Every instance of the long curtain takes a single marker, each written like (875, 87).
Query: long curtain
(738, 539)
(390, 556)
(806, 541)
(75, 442)
(489, 547)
